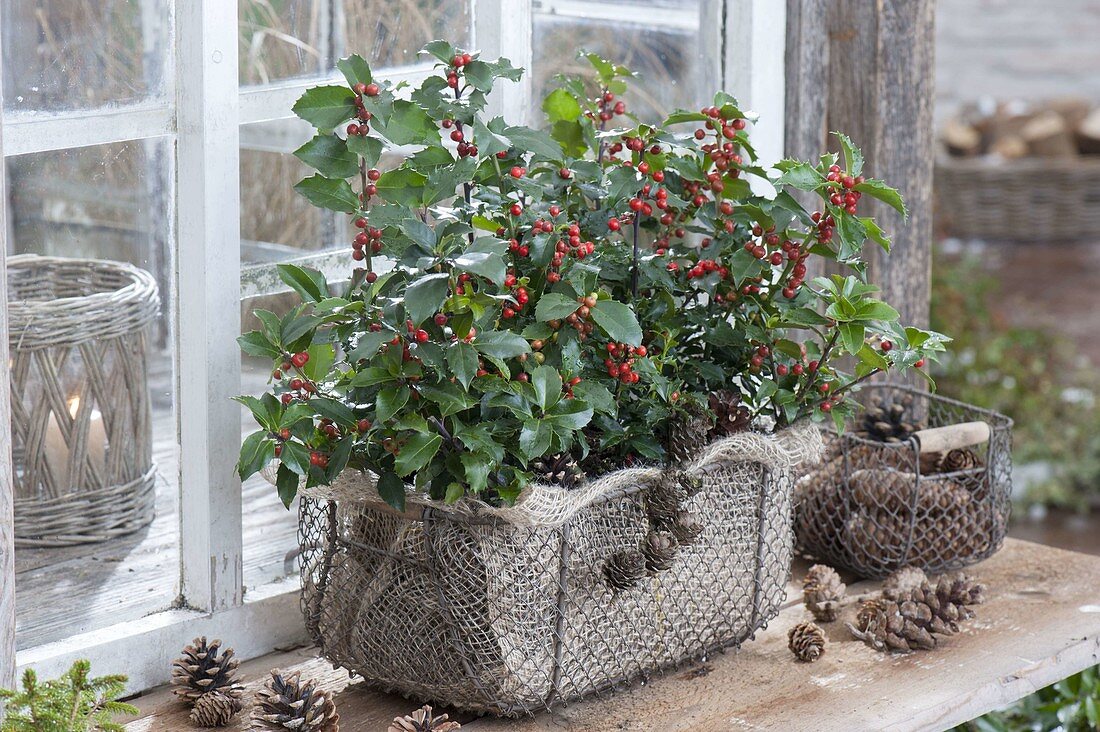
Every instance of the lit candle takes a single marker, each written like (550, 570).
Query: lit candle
(57, 449)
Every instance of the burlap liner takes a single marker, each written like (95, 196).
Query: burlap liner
(506, 609)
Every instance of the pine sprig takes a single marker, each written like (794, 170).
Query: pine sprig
(74, 702)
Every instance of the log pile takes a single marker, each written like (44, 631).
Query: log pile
(1060, 128)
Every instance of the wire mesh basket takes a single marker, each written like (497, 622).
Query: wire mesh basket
(935, 494)
(496, 613)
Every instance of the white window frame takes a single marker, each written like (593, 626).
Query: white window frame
(745, 37)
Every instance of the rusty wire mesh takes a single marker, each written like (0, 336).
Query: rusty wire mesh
(872, 507)
(490, 616)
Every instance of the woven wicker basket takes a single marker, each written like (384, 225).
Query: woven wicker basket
(1031, 199)
(509, 618)
(874, 507)
(81, 422)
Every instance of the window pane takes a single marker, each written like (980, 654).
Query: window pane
(78, 54)
(111, 202)
(669, 59)
(285, 39)
(282, 39)
(276, 222)
(392, 32)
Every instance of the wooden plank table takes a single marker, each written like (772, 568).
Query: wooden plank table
(1040, 623)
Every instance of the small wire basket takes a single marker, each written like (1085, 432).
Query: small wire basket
(918, 480)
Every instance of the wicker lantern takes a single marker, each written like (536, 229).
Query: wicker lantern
(81, 421)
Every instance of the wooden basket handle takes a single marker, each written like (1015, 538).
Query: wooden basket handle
(952, 437)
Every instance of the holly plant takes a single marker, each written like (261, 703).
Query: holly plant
(517, 293)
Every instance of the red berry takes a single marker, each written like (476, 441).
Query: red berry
(919, 363)
(886, 346)
(516, 209)
(516, 171)
(440, 319)
(353, 129)
(371, 277)
(300, 359)
(277, 375)
(827, 406)
(781, 369)
(363, 425)
(614, 224)
(371, 90)
(565, 173)
(422, 336)
(374, 174)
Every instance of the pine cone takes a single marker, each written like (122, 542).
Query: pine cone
(659, 549)
(893, 491)
(889, 421)
(822, 591)
(687, 433)
(806, 641)
(961, 459)
(663, 501)
(204, 668)
(285, 702)
(730, 415)
(560, 469)
(422, 721)
(214, 709)
(624, 570)
(910, 619)
(903, 580)
(686, 528)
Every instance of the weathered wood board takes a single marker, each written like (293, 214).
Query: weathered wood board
(1040, 623)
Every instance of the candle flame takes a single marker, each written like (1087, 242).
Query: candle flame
(74, 406)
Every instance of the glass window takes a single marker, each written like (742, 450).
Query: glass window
(109, 202)
(668, 58)
(61, 55)
(390, 33)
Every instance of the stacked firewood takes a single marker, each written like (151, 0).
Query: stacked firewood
(1061, 128)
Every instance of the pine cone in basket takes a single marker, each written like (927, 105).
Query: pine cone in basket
(960, 459)
(822, 591)
(285, 703)
(624, 570)
(687, 432)
(889, 421)
(686, 528)
(560, 469)
(214, 709)
(203, 668)
(881, 539)
(892, 491)
(806, 641)
(422, 721)
(911, 619)
(659, 549)
(730, 416)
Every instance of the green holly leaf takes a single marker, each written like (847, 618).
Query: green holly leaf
(425, 296)
(501, 344)
(402, 186)
(571, 414)
(886, 194)
(477, 468)
(417, 452)
(561, 106)
(535, 438)
(547, 384)
(326, 107)
(851, 335)
(286, 483)
(335, 410)
(329, 156)
(355, 69)
(555, 306)
(798, 174)
(442, 50)
(335, 195)
(368, 148)
(853, 157)
(256, 452)
(408, 125)
(450, 398)
(255, 343)
(462, 359)
(389, 400)
(309, 283)
(618, 321)
(484, 258)
(537, 142)
(392, 489)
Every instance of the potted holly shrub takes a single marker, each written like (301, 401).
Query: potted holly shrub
(545, 432)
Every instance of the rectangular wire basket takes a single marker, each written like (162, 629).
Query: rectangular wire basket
(490, 616)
